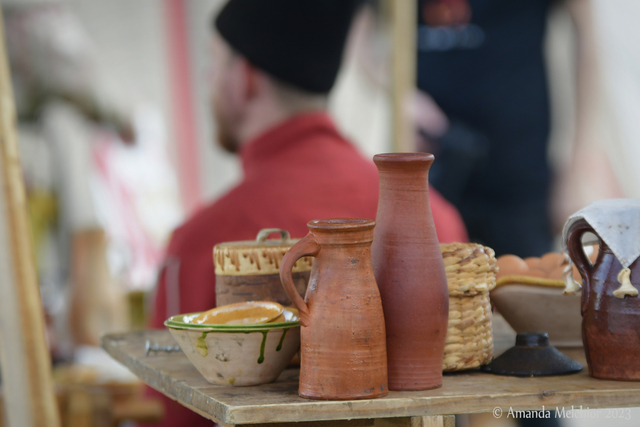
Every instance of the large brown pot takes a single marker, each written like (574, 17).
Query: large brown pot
(343, 350)
(410, 273)
(610, 324)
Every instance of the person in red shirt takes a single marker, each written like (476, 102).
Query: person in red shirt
(271, 77)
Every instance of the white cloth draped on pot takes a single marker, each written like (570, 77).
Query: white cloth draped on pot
(617, 223)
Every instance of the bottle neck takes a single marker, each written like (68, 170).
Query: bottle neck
(404, 181)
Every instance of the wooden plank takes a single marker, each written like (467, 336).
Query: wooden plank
(404, 32)
(465, 392)
(24, 359)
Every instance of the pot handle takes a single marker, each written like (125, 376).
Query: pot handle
(307, 246)
(574, 247)
(265, 232)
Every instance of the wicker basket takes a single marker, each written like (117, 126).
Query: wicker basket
(471, 274)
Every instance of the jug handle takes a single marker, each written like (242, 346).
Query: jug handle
(307, 246)
(582, 263)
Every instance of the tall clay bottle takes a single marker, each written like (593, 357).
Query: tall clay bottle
(409, 270)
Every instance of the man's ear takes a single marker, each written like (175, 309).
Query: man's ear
(250, 79)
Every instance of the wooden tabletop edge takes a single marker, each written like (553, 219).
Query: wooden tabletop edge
(429, 406)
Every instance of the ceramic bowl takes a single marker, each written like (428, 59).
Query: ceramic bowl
(538, 304)
(238, 355)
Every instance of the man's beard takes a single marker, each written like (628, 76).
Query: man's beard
(225, 138)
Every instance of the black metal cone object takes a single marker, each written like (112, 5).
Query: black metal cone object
(532, 357)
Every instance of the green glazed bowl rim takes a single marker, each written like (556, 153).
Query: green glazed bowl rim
(183, 321)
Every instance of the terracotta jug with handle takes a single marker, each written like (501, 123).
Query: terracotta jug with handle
(410, 273)
(343, 347)
(610, 308)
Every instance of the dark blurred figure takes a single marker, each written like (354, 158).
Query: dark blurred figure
(482, 62)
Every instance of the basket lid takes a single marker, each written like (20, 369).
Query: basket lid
(256, 257)
(471, 268)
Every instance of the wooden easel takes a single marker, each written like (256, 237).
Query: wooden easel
(24, 360)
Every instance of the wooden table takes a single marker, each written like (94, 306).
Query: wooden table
(461, 393)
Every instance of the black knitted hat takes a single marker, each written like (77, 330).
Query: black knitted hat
(297, 41)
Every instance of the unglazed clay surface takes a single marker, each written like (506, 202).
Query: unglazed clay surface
(343, 350)
(410, 272)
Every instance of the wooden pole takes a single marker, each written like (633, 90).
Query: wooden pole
(403, 23)
(24, 359)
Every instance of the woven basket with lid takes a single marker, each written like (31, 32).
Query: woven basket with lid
(471, 274)
(250, 270)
